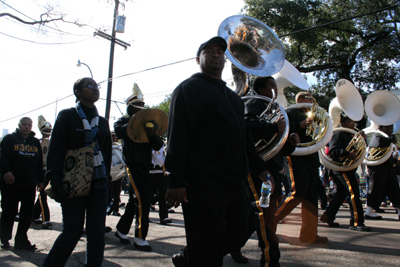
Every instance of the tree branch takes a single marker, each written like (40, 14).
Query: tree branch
(29, 22)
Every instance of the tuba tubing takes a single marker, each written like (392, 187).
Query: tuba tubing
(328, 162)
(385, 157)
(277, 145)
(302, 151)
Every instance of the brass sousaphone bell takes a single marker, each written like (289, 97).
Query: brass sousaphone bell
(253, 48)
(137, 123)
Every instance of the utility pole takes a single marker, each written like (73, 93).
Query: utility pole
(111, 65)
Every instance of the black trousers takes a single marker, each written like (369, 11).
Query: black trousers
(215, 223)
(41, 206)
(139, 205)
(383, 182)
(11, 195)
(158, 183)
(115, 193)
(304, 177)
(346, 183)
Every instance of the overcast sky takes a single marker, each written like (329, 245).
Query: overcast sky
(38, 66)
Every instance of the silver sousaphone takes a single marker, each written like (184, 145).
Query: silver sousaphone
(253, 48)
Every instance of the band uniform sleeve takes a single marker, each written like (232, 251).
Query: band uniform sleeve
(120, 127)
(181, 120)
(256, 163)
(337, 148)
(156, 142)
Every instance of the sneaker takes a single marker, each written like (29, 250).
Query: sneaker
(371, 215)
(325, 218)
(171, 210)
(46, 225)
(361, 228)
(141, 244)
(166, 221)
(122, 238)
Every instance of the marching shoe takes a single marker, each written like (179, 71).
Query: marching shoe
(27, 246)
(371, 215)
(179, 260)
(141, 244)
(122, 238)
(238, 257)
(325, 218)
(166, 221)
(5, 245)
(46, 225)
(361, 228)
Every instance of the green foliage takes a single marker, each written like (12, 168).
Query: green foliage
(364, 50)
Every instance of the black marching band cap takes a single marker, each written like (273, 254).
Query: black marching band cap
(215, 40)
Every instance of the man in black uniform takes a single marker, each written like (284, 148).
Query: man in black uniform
(345, 181)
(304, 174)
(264, 222)
(210, 150)
(383, 179)
(138, 161)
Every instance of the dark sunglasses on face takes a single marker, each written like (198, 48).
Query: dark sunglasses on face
(91, 86)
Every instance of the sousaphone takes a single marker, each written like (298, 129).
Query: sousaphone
(382, 108)
(349, 101)
(137, 123)
(253, 48)
(288, 76)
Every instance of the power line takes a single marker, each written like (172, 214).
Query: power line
(161, 66)
(36, 109)
(44, 43)
(338, 21)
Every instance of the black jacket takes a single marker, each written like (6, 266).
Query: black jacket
(136, 153)
(22, 157)
(296, 116)
(338, 144)
(67, 134)
(377, 140)
(209, 142)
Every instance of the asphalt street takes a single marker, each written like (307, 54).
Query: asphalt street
(381, 247)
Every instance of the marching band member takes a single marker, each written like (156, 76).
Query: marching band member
(304, 174)
(41, 206)
(345, 181)
(138, 161)
(262, 129)
(209, 153)
(383, 179)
